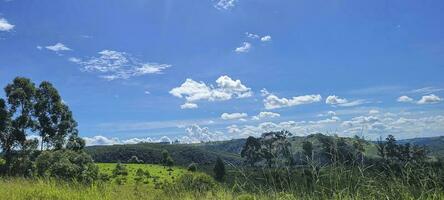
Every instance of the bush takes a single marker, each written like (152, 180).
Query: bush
(192, 167)
(195, 182)
(68, 165)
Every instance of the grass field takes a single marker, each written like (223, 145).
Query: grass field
(158, 173)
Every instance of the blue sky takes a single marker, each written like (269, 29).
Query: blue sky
(212, 70)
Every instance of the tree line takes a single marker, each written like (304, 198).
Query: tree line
(274, 149)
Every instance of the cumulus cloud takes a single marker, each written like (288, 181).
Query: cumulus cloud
(225, 89)
(103, 140)
(266, 115)
(196, 134)
(58, 47)
(5, 25)
(100, 140)
(335, 100)
(272, 101)
(233, 116)
(118, 65)
(266, 38)
(246, 46)
(404, 99)
(225, 4)
(426, 99)
(429, 99)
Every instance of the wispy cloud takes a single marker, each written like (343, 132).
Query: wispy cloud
(426, 90)
(114, 65)
(58, 47)
(225, 4)
(246, 46)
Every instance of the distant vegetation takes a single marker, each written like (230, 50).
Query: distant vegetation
(276, 165)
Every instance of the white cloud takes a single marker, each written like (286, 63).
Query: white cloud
(188, 105)
(58, 47)
(225, 89)
(427, 90)
(373, 112)
(332, 113)
(266, 38)
(429, 99)
(404, 99)
(233, 116)
(246, 46)
(266, 115)
(5, 25)
(103, 140)
(426, 99)
(273, 102)
(100, 140)
(198, 134)
(252, 35)
(118, 65)
(225, 4)
(333, 100)
(353, 103)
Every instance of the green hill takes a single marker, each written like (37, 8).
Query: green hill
(206, 153)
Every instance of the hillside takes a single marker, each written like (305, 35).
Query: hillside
(206, 153)
(182, 154)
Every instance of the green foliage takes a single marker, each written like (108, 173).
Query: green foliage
(196, 182)
(120, 170)
(192, 167)
(152, 173)
(67, 165)
(54, 119)
(219, 170)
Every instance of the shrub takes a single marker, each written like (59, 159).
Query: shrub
(67, 165)
(120, 170)
(192, 167)
(195, 182)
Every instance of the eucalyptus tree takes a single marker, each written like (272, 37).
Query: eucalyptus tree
(54, 119)
(20, 95)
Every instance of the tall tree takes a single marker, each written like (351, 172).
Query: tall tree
(252, 151)
(307, 146)
(7, 138)
(391, 147)
(20, 95)
(219, 169)
(54, 119)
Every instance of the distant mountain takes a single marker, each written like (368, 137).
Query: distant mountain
(434, 144)
(206, 153)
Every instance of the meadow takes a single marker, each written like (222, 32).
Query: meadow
(157, 173)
